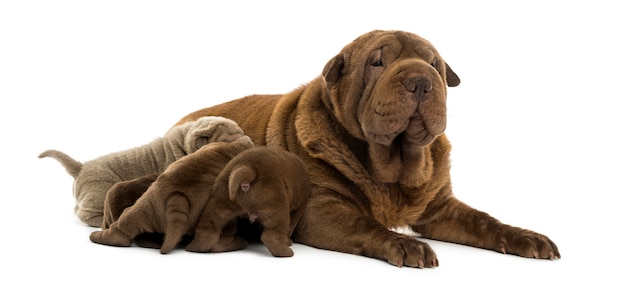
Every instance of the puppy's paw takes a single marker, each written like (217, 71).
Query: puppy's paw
(231, 243)
(108, 237)
(280, 251)
(527, 243)
(198, 246)
(407, 251)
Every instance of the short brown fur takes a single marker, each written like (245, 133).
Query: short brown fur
(370, 130)
(270, 186)
(174, 202)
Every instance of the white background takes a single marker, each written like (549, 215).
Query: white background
(537, 125)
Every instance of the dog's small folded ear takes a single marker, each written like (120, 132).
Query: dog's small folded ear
(240, 179)
(198, 138)
(334, 69)
(201, 141)
(452, 79)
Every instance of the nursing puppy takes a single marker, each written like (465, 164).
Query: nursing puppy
(370, 131)
(122, 195)
(269, 186)
(174, 202)
(95, 177)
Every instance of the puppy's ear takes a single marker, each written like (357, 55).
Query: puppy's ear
(198, 138)
(334, 69)
(240, 178)
(201, 141)
(452, 79)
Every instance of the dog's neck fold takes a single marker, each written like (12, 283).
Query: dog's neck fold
(409, 165)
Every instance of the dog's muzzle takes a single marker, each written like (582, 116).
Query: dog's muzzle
(419, 86)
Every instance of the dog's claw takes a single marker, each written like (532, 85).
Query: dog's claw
(552, 256)
(398, 263)
(420, 263)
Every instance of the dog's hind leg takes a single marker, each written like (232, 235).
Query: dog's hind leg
(176, 221)
(229, 241)
(124, 230)
(276, 231)
(209, 228)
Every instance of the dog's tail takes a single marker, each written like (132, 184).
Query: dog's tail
(240, 178)
(72, 166)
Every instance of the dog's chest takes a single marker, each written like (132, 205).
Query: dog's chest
(391, 207)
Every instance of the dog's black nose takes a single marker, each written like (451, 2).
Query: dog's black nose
(418, 86)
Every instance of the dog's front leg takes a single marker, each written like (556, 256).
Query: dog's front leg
(453, 221)
(334, 223)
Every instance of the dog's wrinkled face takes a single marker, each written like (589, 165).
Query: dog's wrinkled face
(388, 85)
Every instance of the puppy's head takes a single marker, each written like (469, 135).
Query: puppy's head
(206, 130)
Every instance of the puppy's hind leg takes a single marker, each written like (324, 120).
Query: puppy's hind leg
(276, 232)
(229, 241)
(124, 230)
(176, 222)
(89, 209)
(277, 242)
(209, 228)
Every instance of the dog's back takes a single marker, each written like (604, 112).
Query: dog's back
(268, 167)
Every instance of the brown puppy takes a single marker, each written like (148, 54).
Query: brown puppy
(370, 130)
(174, 202)
(124, 194)
(268, 185)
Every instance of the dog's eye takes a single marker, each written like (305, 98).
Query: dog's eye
(434, 63)
(377, 63)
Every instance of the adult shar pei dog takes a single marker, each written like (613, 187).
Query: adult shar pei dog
(370, 130)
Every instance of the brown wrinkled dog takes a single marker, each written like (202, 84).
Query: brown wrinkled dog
(174, 202)
(267, 184)
(370, 130)
(122, 195)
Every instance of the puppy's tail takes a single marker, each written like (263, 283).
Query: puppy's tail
(240, 178)
(72, 166)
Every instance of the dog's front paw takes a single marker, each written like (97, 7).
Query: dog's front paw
(407, 251)
(527, 243)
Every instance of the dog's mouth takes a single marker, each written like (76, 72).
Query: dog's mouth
(387, 135)
(412, 130)
(388, 116)
(411, 106)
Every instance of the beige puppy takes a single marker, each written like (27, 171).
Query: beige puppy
(370, 130)
(270, 186)
(95, 177)
(174, 202)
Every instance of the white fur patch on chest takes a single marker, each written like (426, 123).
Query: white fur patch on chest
(405, 230)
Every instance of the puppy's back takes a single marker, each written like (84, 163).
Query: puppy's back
(273, 166)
